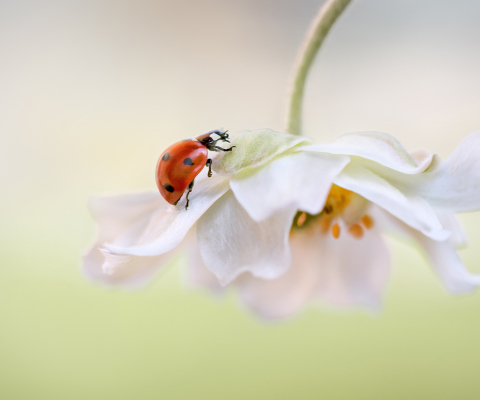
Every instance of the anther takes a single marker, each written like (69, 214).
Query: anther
(367, 220)
(301, 219)
(336, 230)
(356, 231)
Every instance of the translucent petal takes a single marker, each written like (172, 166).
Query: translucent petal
(169, 224)
(343, 272)
(406, 206)
(231, 242)
(121, 219)
(299, 180)
(378, 147)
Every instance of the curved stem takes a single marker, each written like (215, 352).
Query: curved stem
(324, 20)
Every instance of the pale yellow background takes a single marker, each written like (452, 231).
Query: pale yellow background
(91, 92)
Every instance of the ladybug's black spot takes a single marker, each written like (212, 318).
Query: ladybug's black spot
(188, 161)
(168, 188)
(166, 156)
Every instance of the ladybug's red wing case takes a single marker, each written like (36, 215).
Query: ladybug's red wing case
(178, 166)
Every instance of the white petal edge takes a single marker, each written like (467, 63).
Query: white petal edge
(299, 180)
(454, 185)
(343, 272)
(355, 272)
(169, 225)
(197, 274)
(232, 243)
(442, 255)
(449, 266)
(288, 294)
(122, 218)
(119, 270)
(408, 207)
(379, 147)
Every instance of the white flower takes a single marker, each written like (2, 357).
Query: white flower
(288, 222)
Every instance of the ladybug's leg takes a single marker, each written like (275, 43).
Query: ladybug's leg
(209, 165)
(189, 189)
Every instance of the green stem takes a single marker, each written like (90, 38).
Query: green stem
(324, 20)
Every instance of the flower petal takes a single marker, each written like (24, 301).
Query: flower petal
(448, 265)
(354, 271)
(168, 225)
(406, 206)
(231, 242)
(453, 185)
(451, 222)
(443, 256)
(120, 270)
(344, 272)
(198, 274)
(379, 147)
(256, 148)
(287, 294)
(121, 218)
(299, 180)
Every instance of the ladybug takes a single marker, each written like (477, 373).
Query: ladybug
(179, 165)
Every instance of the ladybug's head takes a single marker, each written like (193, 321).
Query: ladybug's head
(210, 139)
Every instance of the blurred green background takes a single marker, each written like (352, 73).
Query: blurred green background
(91, 92)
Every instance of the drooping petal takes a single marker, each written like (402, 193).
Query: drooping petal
(300, 180)
(450, 222)
(231, 242)
(453, 185)
(449, 266)
(121, 270)
(169, 224)
(289, 293)
(343, 272)
(198, 274)
(122, 219)
(408, 207)
(442, 255)
(355, 271)
(379, 147)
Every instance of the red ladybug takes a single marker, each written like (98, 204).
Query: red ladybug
(179, 165)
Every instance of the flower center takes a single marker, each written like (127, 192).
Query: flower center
(343, 209)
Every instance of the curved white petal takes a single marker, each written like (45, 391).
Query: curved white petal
(450, 222)
(169, 224)
(299, 180)
(454, 185)
(443, 256)
(343, 272)
(449, 266)
(408, 207)
(121, 218)
(287, 294)
(231, 242)
(121, 270)
(379, 147)
(355, 271)
(198, 274)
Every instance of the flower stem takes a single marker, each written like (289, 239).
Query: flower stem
(324, 20)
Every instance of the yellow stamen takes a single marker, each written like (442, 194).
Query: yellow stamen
(336, 231)
(356, 231)
(301, 219)
(367, 221)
